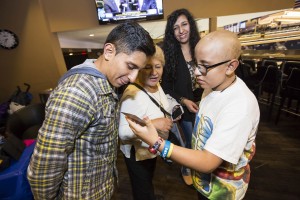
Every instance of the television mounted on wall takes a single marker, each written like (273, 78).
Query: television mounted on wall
(114, 11)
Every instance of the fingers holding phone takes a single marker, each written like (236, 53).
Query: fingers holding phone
(135, 118)
(143, 128)
(176, 113)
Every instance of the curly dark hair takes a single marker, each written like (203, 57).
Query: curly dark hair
(171, 46)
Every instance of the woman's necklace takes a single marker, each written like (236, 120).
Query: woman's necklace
(229, 84)
(157, 98)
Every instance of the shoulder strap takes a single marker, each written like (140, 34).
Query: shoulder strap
(152, 99)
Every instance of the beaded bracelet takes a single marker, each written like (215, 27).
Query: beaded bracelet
(170, 150)
(166, 149)
(156, 146)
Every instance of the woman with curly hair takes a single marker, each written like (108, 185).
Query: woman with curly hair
(181, 37)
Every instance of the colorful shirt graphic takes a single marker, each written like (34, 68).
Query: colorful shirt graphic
(221, 129)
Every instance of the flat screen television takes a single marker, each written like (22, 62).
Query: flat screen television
(114, 11)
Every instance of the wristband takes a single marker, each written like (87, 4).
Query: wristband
(166, 149)
(156, 146)
(170, 150)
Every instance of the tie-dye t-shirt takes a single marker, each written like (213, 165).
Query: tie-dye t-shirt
(226, 126)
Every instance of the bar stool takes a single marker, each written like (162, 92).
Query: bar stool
(290, 91)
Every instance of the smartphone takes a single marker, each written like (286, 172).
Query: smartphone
(135, 118)
(176, 113)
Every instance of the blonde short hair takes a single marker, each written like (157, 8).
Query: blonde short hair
(159, 54)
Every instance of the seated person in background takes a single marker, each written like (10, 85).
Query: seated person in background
(139, 161)
(223, 140)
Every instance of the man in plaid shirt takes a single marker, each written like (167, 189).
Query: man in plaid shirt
(76, 149)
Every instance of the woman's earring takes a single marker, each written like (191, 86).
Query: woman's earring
(160, 80)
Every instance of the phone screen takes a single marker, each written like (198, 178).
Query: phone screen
(135, 118)
(176, 113)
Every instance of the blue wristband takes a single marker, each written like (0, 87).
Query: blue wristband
(166, 149)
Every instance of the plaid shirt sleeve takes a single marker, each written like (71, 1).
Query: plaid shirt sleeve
(67, 110)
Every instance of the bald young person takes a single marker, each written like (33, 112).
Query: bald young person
(225, 128)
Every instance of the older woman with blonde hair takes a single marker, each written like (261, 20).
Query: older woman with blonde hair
(136, 100)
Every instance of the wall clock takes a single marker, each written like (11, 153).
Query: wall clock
(8, 39)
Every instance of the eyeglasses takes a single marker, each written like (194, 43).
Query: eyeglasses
(203, 69)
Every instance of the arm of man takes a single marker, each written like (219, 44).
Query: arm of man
(66, 109)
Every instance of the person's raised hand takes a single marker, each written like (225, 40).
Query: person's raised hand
(146, 133)
(191, 106)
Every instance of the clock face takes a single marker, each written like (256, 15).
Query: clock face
(8, 39)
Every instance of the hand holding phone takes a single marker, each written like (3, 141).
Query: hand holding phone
(135, 118)
(177, 112)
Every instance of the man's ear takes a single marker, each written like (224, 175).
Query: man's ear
(232, 66)
(109, 51)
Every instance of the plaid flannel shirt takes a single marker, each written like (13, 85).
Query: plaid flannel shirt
(76, 149)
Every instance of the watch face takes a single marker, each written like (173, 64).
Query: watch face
(8, 39)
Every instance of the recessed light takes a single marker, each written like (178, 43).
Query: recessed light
(91, 35)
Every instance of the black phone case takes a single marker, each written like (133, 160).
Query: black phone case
(176, 113)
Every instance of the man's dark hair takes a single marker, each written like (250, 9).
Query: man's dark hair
(171, 46)
(129, 37)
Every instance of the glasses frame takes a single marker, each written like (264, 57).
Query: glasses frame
(209, 67)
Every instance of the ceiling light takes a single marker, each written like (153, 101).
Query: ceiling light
(91, 35)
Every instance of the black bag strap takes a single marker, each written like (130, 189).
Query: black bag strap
(152, 99)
